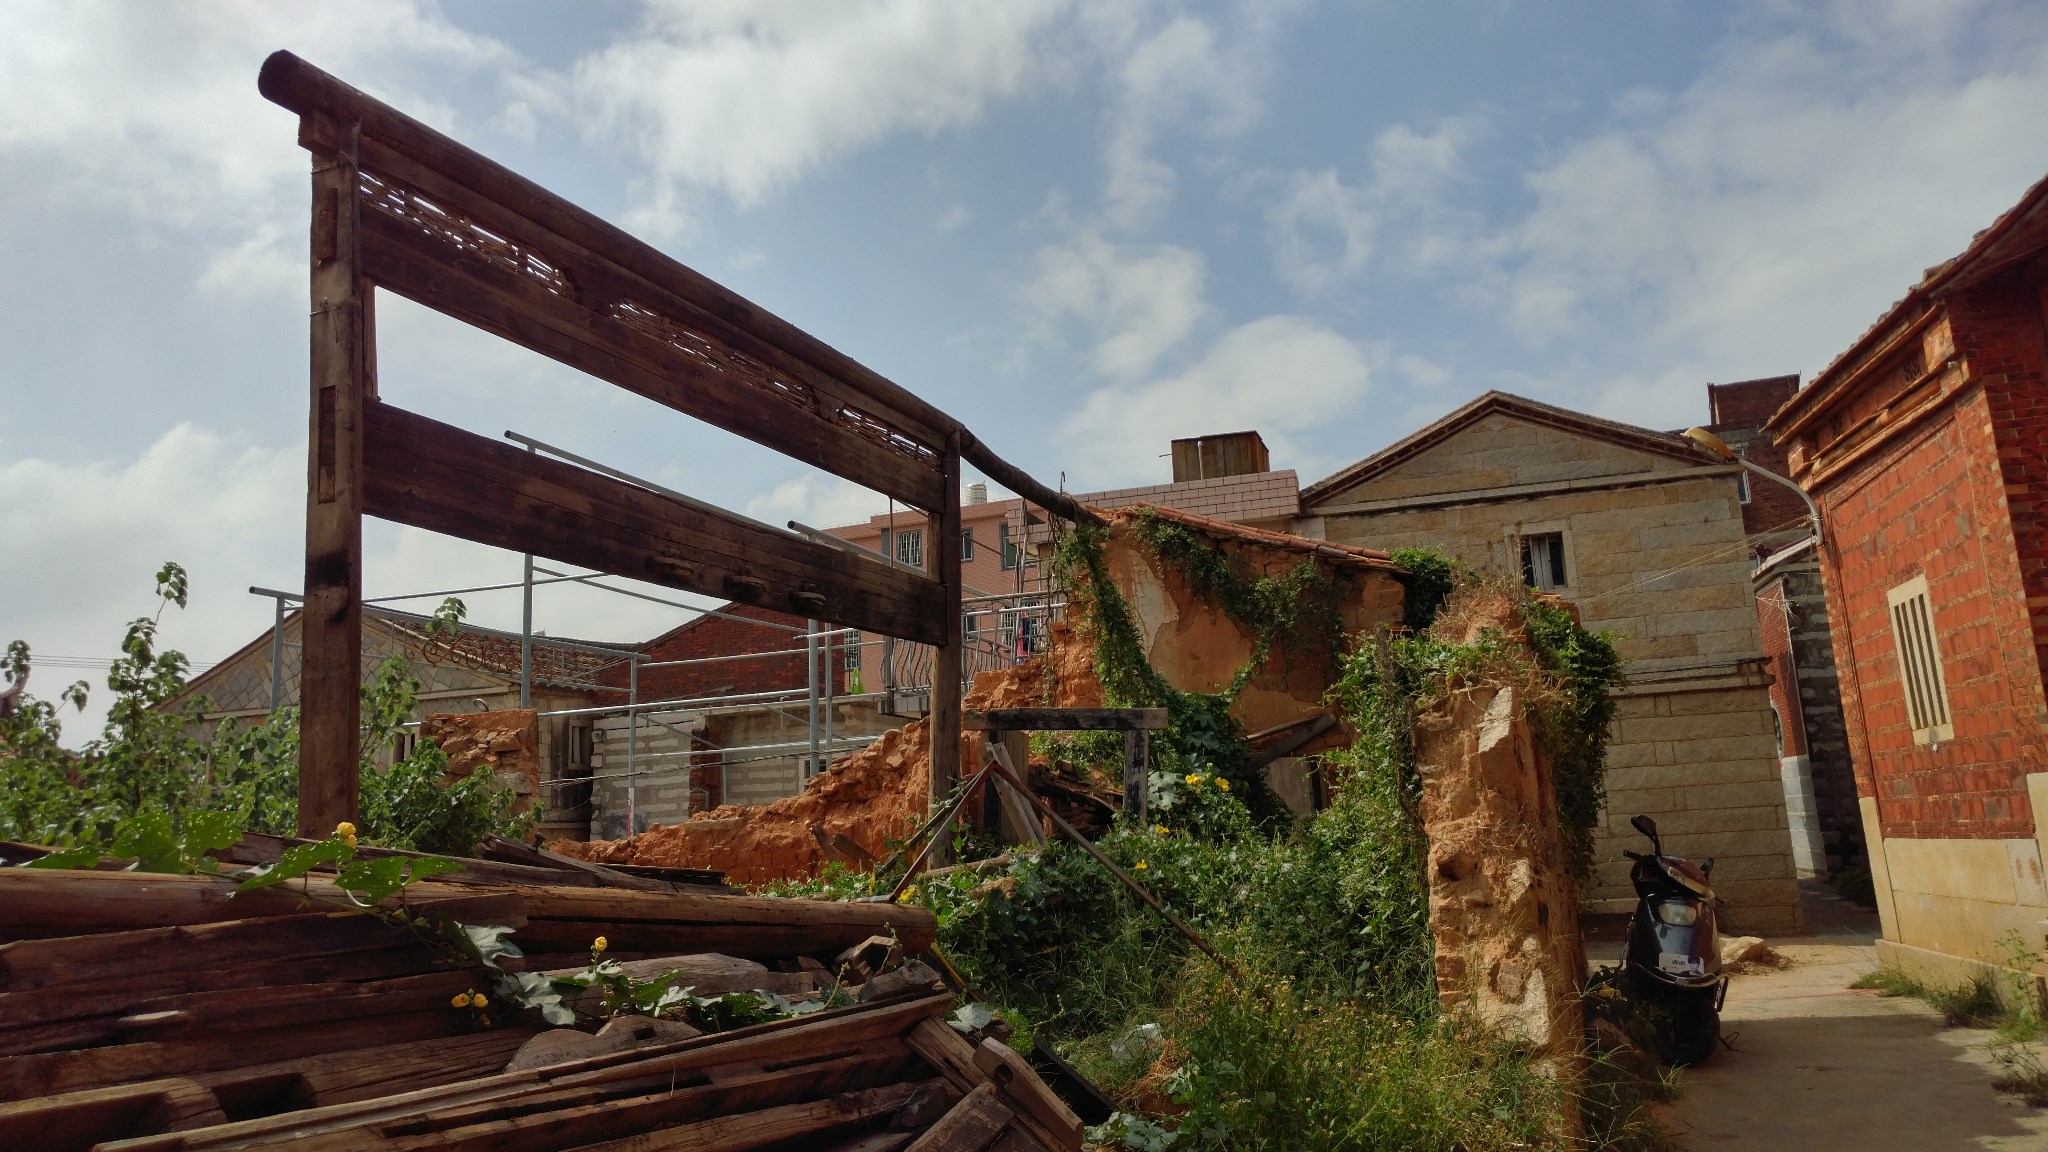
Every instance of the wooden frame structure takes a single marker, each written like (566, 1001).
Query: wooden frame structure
(397, 205)
(1137, 725)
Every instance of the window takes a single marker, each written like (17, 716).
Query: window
(1011, 553)
(1920, 675)
(910, 548)
(966, 545)
(1543, 561)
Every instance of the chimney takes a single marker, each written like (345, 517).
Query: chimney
(1213, 457)
(977, 493)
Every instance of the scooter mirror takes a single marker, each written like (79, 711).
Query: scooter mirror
(1645, 825)
(1707, 866)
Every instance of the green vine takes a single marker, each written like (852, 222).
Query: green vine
(1298, 606)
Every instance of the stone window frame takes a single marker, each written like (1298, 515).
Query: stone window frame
(1922, 681)
(1518, 536)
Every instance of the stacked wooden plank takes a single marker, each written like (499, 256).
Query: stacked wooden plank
(160, 1012)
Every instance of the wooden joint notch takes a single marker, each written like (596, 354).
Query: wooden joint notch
(674, 567)
(811, 604)
(745, 588)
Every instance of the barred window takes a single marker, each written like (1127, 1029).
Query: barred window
(1920, 672)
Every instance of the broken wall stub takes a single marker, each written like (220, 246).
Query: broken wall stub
(507, 742)
(1503, 907)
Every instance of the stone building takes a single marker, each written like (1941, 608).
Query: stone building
(1644, 536)
(1926, 446)
(470, 670)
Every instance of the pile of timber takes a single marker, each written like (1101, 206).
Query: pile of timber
(159, 1012)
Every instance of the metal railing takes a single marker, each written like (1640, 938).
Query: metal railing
(999, 632)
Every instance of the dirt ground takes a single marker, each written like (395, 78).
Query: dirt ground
(1814, 1066)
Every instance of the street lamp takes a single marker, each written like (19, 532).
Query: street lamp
(1713, 445)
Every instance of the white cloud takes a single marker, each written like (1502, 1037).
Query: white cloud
(1760, 218)
(84, 540)
(746, 98)
(152, 109)
(1282, 375)
(819, 501)
(1322, 230)
(155, 105)
(1181, 75)
(1138, 302)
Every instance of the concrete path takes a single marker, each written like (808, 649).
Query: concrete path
(1817, 1067)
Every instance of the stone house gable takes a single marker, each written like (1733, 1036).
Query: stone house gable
(1647, 535)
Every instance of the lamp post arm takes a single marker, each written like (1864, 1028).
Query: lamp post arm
(1812, 509)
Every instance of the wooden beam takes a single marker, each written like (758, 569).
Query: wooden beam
(721, 315)
(970, 1126)
(1019, 481)
(434, 476)
(649, 348)
(946, 652)
(1305, 730)
(330, 677)
(1067, 720)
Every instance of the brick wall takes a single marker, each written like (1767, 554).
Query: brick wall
(1932, 502)
(1999, 333)
(1738, 412)
(718, 636)
(1820, 707)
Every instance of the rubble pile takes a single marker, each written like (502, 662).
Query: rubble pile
(870, 798)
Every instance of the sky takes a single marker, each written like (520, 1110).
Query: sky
(1084, 229)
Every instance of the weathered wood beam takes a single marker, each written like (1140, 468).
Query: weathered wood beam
(1021, 482)
(633, 335)
(330, 676)
(1067, 720)
(613, 260)
(946, 652)
(430, 475)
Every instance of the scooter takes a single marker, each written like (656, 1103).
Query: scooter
(1671, 963)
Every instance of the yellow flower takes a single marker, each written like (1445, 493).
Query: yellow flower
(1159, 828)
(461, 1000)
(1223, 783)
(1138, 867)
(910, 893)
(599, 944)
(476, 1000)
(346, 831)
(1193, 779)
(349, 839)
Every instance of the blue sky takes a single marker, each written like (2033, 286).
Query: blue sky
(1082, 228)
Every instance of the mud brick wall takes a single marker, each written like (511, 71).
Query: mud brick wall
(1503, 908)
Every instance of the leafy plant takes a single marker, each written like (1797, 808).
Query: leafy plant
(151, 759)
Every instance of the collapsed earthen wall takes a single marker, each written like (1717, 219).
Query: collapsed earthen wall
(1503, 907)
(880, 794)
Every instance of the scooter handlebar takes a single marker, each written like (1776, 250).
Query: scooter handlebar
(1632, 855)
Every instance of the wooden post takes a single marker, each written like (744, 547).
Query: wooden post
(331, 622)
(945, 566)
(1137, 773)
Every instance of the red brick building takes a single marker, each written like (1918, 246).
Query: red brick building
(1813, 750)
(1926, 446)
(1773, 516)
